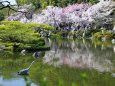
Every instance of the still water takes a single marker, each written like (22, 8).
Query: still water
(67, 63)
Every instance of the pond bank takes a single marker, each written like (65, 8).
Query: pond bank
(17, 36)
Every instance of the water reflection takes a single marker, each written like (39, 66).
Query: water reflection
(113, 48)
(10, 64)
(22, 81)
(81, 54)
(71, 63)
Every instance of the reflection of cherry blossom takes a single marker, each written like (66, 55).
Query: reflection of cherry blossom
(78, 57)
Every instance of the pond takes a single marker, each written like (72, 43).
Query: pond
(67, 63)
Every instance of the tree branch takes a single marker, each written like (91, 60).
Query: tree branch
(9, 6)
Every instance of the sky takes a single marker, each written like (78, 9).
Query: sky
(11, 1)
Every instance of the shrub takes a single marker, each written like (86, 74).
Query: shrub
(17, 32)
(107, 35)
(21, 36)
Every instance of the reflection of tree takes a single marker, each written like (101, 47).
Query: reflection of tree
(27, 81)
(10, 63)
(66, 76)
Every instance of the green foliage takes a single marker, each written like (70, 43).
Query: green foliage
(35, 3)
(33, 47)
(89, 33)
(98, 35)
(17, 32)
(44, 29)
(113, 23)
(1, 16)
(93, 1)
(107, 35)
(22, 36)
(44, 3)
(55, 36)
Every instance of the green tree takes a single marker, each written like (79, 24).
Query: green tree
(44, 3)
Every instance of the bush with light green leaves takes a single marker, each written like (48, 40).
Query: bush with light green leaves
(14, 31)
(23, 36)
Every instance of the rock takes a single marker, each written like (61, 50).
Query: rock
(113, 41)
(2, 47)
(113, 75)
(114, 28)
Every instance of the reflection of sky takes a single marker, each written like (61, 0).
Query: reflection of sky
(14, 82)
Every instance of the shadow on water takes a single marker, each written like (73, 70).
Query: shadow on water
(68, 63)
